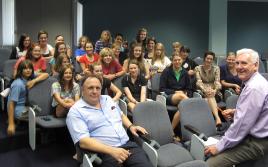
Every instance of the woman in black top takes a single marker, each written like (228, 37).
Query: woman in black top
(134, 85)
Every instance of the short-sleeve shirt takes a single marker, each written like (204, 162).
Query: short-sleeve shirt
(135, 88)
(161, 65)
(84, 59)
(228, 76)
(99, 45)
(56, 88)
(112, 68)
(52, 61)
(104, 124)
(18, 95)
(79, 52)
(39, 66)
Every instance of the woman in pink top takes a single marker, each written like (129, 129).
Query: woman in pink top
(34, 55)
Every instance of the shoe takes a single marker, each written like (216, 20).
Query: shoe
(219, 127)
(5, 92)
(176, 139)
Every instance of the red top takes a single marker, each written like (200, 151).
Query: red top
(84, 59)
(39, 66)
(112, 68)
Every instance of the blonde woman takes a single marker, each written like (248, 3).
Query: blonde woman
(159, 59)
(110, 67)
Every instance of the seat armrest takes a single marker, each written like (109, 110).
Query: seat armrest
(161, 99)
(123, 106)
(147, 138)
(197, 95)
(197, 148)
(88, 156)
(194, 130)
(151, 153)
(32, 128)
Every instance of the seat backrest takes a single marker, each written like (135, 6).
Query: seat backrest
(198, 60)
(221, 60)
(155, 83)
(265, 75)
(4, 55)
(8, 68)
(231, 101)
(261, 67)
(155, 80)
(118, 83)
(48, 70)
(196, 112)
(154, 118)
(40, 95)
(77, 67)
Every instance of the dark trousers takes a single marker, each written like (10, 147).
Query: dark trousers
(250, 148)
(138, 157)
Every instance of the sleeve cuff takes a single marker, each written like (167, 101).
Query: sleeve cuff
(220, 146)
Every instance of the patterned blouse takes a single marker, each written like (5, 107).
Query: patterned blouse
(56, 88)
(208, 79)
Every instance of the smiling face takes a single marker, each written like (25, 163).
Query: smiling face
(98, 70)
(158, 50)
(68, 75)
(27, 72)
(26, 42)
(137, 51)
(62, 48)
(36, 52)
(151, 45)
(107, 59)
(89, 48)
(245, 66)
(83, 42)
(116, 51)
(59, 39)
(92, 90)
(208, 60)
(176, 62)
(230, 60)
(105, 35)
(43, 39)
(143, 35)
(133, 70)
(118, 39)
(65, 61)
(184, 55)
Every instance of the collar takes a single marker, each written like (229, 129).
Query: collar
(84, 104)
(179, 70)
(251, 78)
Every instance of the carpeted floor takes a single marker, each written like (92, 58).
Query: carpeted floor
(15, 151)
(52, 155)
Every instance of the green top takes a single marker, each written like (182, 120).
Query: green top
(177, 73)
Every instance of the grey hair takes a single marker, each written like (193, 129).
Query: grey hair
(254, 56)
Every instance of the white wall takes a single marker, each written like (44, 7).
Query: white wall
(218, 27)
(53, 16)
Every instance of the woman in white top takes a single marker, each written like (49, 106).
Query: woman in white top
(22, 48)
(46, 49)
(159, 61)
